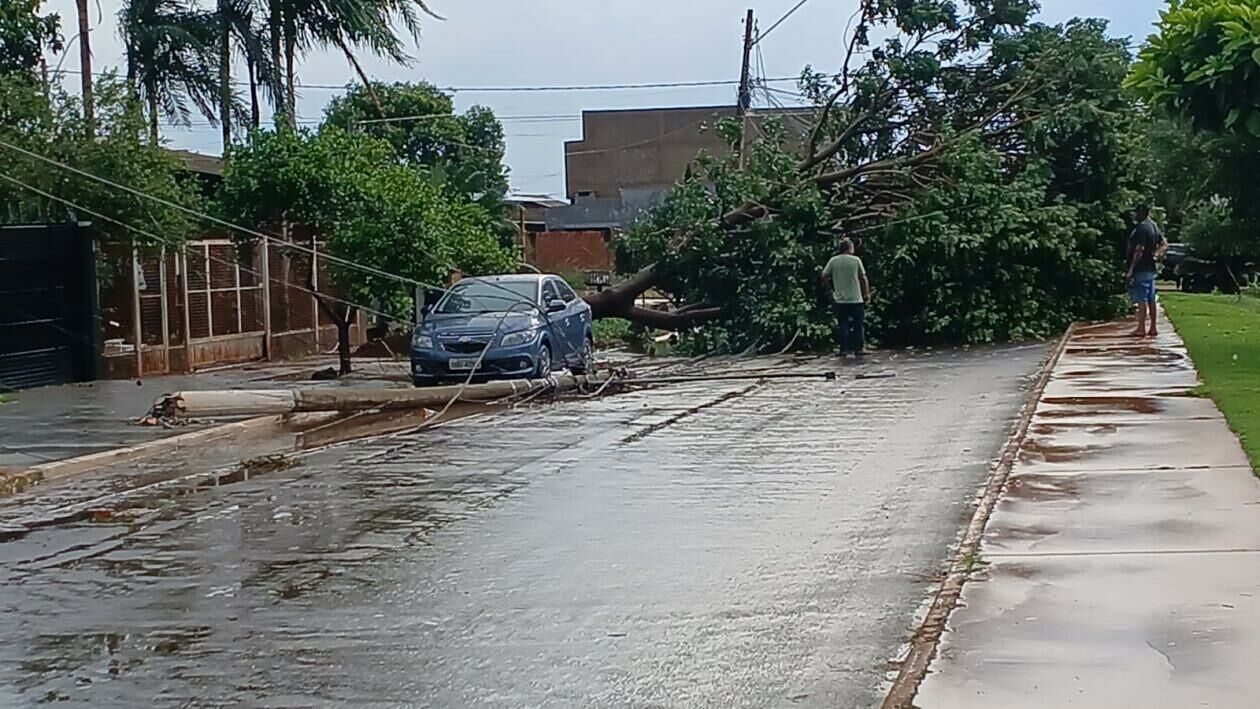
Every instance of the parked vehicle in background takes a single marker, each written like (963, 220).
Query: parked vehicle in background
(1196, 275)
(1172, 258)
(499, 327)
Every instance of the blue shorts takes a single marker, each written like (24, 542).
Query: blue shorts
(1142, 289)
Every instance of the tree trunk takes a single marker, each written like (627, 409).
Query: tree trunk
(153, 116)
(618, 302)
(342, 322)
(367, 83)
(225, 75)
(290, 69)
(343, 342)
(275, 27)
(253, 91)
(85, 68)
(619, 299)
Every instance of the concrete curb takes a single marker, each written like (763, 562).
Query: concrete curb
(14, 482)
(926, 639)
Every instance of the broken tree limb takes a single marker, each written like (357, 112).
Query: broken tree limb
(261, 402)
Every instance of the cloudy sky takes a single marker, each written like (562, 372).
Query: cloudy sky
(510, 43)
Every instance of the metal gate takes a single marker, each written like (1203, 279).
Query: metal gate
(47, 305)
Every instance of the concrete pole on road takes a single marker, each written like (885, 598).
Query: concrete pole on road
(261, 402)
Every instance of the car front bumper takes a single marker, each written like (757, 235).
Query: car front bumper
(498, 363)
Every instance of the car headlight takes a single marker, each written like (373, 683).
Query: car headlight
(421, 342)
(512, 339)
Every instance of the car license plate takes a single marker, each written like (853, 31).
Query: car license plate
(462, 364)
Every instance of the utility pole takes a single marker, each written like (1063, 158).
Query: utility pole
(745, 91)
(85, 69)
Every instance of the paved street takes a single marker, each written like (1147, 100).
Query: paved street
(716, 544)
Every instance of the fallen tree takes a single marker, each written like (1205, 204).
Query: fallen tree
(1027, 121)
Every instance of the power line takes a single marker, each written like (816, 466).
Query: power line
(779, 21)
(540, 88)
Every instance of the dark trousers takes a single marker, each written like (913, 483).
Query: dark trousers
(851, 326)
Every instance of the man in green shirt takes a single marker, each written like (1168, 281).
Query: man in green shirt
(845, 276)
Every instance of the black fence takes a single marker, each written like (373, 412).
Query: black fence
(48, 333)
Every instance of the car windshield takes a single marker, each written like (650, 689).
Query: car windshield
(488, 296)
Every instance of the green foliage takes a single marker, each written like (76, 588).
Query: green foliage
(988, 260)
(463, 154)
(1202, 64)
(54, 127)
(1207, 183)
(346, 189)
(1212, 231)
(611, 332)
(25, 34)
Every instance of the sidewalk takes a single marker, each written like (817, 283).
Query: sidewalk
(1122, 565)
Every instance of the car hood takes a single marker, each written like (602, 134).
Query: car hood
(476, 324)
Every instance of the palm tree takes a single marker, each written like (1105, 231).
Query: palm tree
(300, 25)
(171, 59)
(236, 25)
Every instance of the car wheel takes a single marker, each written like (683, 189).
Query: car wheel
(586, 358)
(542, 367)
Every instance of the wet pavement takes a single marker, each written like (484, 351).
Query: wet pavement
(58, 422)
(1120, 564)
(724, 544)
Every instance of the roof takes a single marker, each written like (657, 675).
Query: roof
(755, 111)
(536, 201)
(200, 163)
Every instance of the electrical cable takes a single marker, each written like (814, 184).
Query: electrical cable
(778, 22)
(525, 88)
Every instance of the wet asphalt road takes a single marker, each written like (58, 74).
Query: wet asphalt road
(718, 544)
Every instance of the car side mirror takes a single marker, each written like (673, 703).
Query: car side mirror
(556, 306)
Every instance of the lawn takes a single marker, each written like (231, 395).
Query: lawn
(1222, 333)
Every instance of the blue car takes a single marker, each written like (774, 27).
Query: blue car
(528, 325)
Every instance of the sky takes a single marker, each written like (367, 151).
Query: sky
(509, 43)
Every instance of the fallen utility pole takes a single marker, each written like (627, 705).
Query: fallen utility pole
(262, 402)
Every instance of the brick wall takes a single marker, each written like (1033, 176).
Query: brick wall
(561, 251)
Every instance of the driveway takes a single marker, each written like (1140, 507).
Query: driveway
(713, 544)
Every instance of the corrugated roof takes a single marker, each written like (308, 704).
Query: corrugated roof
(197, 162)
(536, 201)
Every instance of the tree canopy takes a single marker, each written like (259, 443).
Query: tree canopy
(345, 190)
(25, 34)
(1197, 74)
(1202, 63)
(52, 125)
(461, 153)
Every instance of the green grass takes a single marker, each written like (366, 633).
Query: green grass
(1222, 333)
